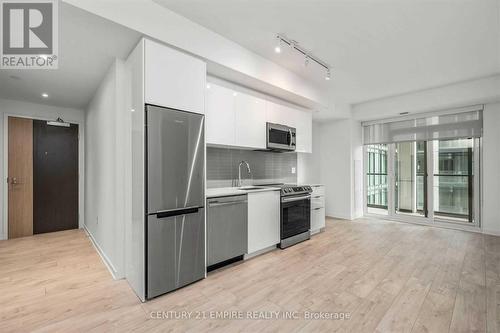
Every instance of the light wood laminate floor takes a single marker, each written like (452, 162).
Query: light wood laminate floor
(389, 277)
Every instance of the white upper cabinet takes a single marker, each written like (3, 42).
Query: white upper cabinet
(173, 79)
(304, 131)
(300, 120)
(219, 110)
(250, 121)
(238, 119)
(280, 114)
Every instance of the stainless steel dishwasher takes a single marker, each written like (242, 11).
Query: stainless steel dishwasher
(227, 230)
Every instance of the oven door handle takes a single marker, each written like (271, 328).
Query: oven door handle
(295, 198)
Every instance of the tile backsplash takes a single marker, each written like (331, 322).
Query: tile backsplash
(266, 167)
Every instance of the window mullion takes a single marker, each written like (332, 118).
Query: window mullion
(430, 180)
(391, 151)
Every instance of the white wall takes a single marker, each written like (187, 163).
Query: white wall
(491, 169)
(337, 163)
(357, 176)
(308, 164)
(36, 111)
(480, 91)
(104, 169)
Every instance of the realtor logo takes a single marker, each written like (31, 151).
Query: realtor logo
(29, 33)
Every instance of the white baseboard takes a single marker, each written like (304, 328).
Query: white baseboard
(258, 253)
(103, 256)
(338, 216)
(357, 216)
(491, 232)
(317, 231)
(3, 237)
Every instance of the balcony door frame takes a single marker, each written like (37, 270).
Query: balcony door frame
(430, 219)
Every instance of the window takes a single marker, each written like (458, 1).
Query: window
(433, 180)
(425, 168)
(410, 178)
(377, 177)
(453, 179)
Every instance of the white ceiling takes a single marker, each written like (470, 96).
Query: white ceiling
(87, 46)
(377, 48)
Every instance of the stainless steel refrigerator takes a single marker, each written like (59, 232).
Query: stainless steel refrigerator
(175, 222)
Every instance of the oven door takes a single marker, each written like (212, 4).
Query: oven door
(280, 137)
(295, 215)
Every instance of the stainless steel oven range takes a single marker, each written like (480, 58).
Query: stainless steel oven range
(295, 216)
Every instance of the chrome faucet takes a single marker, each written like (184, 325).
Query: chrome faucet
(239, 171)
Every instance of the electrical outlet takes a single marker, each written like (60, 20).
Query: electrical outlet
(294, 170)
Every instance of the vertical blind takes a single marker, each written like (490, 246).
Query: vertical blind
(436, 126)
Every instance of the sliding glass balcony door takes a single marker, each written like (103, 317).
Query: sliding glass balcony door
(424, 181)
(410, 168)
(453, 172)
(377, 185)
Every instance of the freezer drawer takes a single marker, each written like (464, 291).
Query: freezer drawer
(175, 251)
(227, 229)
(175, 159)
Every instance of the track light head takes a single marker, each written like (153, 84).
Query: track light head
(328, 75)
(277, 48)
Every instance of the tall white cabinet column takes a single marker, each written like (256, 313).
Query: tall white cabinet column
(159, 75)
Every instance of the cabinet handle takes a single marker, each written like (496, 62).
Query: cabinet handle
(217, 204)
(318, 208)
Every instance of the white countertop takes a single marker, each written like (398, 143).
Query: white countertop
(307, 184)
(227, 191)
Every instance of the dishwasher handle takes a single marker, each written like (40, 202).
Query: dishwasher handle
(226, 203)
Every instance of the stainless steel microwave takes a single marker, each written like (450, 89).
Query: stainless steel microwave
(280, 137)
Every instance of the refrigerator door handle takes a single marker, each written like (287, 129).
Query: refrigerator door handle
(177, 212)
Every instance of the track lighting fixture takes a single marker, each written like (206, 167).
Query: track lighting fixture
(294, 46)
(277, 49)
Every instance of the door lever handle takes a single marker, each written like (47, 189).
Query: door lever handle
(12, 181)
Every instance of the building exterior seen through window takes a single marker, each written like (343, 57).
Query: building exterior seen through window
(410, 170)
(377, 176)
(453, 178)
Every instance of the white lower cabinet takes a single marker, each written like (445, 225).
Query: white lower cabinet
(263, 220)
(317, 219)
(317, 208)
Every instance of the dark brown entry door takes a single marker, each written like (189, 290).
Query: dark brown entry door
(55, 177)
